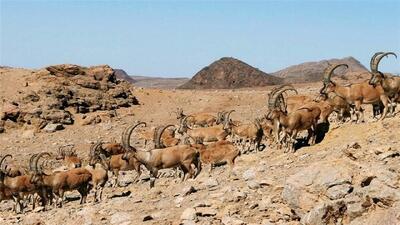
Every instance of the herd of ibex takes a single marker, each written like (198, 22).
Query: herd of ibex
(196, 140)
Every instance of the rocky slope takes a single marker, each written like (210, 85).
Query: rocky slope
(352, 177)
(52, 97)
(229, 73)
(313, 71)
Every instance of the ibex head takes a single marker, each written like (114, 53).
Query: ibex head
(378, 76)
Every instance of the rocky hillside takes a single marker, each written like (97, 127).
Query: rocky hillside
(230, 73)
(313, 71)
(121, 74)
(52, 97)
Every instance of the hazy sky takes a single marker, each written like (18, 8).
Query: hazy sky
(178, 38)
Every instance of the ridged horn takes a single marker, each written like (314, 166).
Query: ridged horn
(127, 134)
(378, 58)
(3, 159)
(158, 134)
(31, 160)
(371, 63)
(276, 93)
(36, 170)
(329, 70)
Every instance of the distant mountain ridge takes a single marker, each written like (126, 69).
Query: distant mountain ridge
(313, 71)
(121, 74)
(227, 73)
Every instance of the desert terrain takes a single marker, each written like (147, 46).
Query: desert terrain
(351, 177)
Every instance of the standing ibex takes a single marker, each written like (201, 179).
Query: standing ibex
(298, 120)
(59, 182)
(16, 187)
(182, 156)
(389, 83)
(357, 94)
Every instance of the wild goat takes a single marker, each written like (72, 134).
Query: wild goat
(248, 132)
(207, 134)
(15, 187)
(327, 105)
(182, 156)
(114, 163)
(74, 179)
(291, 124)
(98, 167)
(217, 152)
(69, 157)
(357, 94)
(196, 119)
(168, 140)
(389, 83)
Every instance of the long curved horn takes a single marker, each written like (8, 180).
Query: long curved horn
(3, 159)
(158, 134)
(93, 148)
(371, 62)
(329, 70)
(126, 135)
(375, 63)
(184, 121)
(31, 160)
(35, 167)
(277, 93)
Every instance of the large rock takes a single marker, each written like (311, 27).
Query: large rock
(302, 190)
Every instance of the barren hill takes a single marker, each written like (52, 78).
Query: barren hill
(229, 72)
(313, 71)
(121, 74)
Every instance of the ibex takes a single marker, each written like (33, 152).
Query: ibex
(291, 124)
(16, 187)
(248, 132)
(389, 83)
(217, 152)
(207, 134)
(182, 156)
(69, 157)
(114, 163)
(197, 119)
(74, 179)
(357, 94)
(98, 167)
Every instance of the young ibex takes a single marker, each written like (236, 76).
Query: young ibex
(69, 157)
(207, 134)
(98, 167)
(251, 133)
(357, 94)
(182, 156)
(114, 163)
(197, 119)
(389, 83)
(59, 182)
(291, 124)
(217, 152)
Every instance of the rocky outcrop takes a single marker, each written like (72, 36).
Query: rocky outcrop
(229, 73)
(66, 90)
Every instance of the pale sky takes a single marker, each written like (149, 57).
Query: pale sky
(178, 38)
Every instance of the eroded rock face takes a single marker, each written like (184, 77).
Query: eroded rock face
(64, 90)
